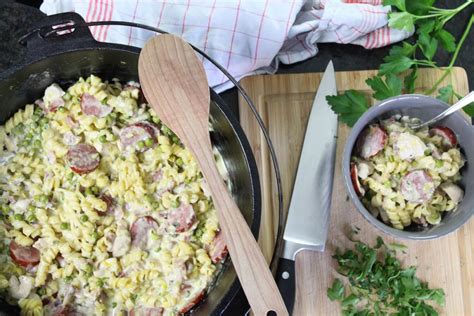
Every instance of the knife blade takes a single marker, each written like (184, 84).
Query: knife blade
(308, 215)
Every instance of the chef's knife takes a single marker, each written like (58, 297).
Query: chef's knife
(308, 215)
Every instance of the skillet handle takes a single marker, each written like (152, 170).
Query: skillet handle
(42, 42)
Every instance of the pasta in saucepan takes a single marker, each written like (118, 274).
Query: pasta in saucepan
(103, 211)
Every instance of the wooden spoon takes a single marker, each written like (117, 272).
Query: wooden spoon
(175, 85)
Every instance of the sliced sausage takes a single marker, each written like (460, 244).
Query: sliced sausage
(91, 106)
(146, 311)
(355, 180)
(195, 300)
(218, 248)
(182, 218)
(109, 201)
(132, 134)
(150, 127)
(83, 158)
(24, 256)
(417, 186)
(371, 141)
(140, 231)
(454, 192)
(409, 146)
(449, 138)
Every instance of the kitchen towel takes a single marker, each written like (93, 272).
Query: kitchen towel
(245, 36)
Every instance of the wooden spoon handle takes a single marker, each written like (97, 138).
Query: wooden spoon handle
(257, 281)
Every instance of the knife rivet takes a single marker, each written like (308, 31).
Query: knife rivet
(285, 275)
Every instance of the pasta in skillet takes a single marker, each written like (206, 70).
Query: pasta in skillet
(103, 211)
(407, 176)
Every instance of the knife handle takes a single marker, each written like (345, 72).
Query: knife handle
(285, 276)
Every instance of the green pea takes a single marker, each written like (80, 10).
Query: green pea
(149, 142)
(62, 109)
(141, 144)
(31, 218)
(156, 119)
(95, 190)
(18, 217)
(88, 191)
(175, 204)
(175, 139)
(44, 199)
(439, 163)
(103, 138)
(165, 130)
(31, 208)
(65, 226)
(84, 218)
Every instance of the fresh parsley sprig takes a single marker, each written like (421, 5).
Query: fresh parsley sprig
(379, 285)
(399, 71)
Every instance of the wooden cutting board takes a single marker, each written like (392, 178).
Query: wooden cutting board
(284, 102)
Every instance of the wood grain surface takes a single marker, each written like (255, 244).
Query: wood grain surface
(175, 84)
(284, 102)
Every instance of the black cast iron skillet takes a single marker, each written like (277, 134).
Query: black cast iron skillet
(63, 59)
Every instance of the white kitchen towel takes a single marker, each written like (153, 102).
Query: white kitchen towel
(244, 36)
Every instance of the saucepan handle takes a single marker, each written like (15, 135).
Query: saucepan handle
(43, 41)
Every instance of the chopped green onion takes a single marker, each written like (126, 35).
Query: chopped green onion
(37, 143)
(179, 162)
(31, 218)
(84, 218)
(44, 199)
(31, 208)
(95, 190)
(141, 144)
(175, 139)
(18, 217)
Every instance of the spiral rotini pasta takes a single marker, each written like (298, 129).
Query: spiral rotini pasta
(105, 211)
(406, 176)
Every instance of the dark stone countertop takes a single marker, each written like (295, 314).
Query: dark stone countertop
(16, 19)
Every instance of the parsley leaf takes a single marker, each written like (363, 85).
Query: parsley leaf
(409, 81)
(336, 292)
(402, 21)
(399, 4)
(392, 86)
(446, 93)
(446, 40)
(396, 65)
(428, 45)
(419, 7)
(406, 49)
(349, 106)
(469, 109)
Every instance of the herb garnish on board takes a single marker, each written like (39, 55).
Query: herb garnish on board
(400, 68)
(379, 285)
